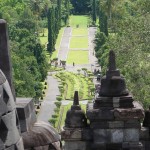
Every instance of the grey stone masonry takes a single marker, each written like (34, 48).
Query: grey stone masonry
(114, 118)
(26, 113)
(9, 124)
(5, 61)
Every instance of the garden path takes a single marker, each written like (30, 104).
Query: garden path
(48, 106)
(64, 45)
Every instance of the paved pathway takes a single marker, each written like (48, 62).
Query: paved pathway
(47, 107)
(64, 45)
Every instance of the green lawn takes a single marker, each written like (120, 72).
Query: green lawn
(79, 31)
(44, 39)
(78, 57)
(79, 42)
(80, 21)
(74, 82)
(54, 54)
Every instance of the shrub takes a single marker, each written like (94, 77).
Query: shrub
(53, 121)
(54, 116)
(58, 104)
(56, 110)
(59, 98)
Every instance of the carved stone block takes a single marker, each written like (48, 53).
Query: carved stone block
(26, 113)
(10, 132)
(100, 114)
(78, 145)
(116, 135)
(71, 134)
(131, 113)
(131, 135)
(144, 134)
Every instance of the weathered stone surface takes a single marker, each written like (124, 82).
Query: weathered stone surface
(146, 122)
(75, 117)
(19, 145)
(108, 135)
(41, 134)
(144, 134)
(7, 103)
(26, 113)
(100, 114)
(116, 124)
(2, 145)
(71, 134)
(113, 84)
(99, 125)
(12, 132)
(78, 145)
(132, 145)
(116, 135)
(131, 113)
(132, 123)
(131, 135)
(2, 78)
(87, 134)
(114, 102)
(3, 105)
(100, 136)
(11, 102)
(107, 124)
(5, 63)
(146, 145)
(12, 147)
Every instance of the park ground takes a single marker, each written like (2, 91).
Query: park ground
(75, 46)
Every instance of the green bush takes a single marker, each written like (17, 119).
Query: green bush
(53, 121)
(55, 116)
(56, 110)
(58, 104)
(59, 98)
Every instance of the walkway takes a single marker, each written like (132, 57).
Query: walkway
(48, 106)
(64, 45)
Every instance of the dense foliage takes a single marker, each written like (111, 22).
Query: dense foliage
(129, 36)
(26, 20)
(81, 6)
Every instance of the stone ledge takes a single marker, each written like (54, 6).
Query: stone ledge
(115, 135)
(71, 134)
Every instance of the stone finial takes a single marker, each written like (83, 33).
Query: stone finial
(76, 98)
(5, 61)
(75, 117)
(112, 61)
(113, 84)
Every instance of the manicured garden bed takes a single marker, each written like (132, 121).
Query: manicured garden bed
(79, 32)
(78, 57)
(79, 42)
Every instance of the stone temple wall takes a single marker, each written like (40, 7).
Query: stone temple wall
(114, 118)
(9, 124)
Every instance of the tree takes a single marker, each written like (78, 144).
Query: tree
(94, 11)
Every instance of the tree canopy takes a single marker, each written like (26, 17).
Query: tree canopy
(129, 33)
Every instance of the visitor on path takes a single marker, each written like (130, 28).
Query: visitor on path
(73, 63)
